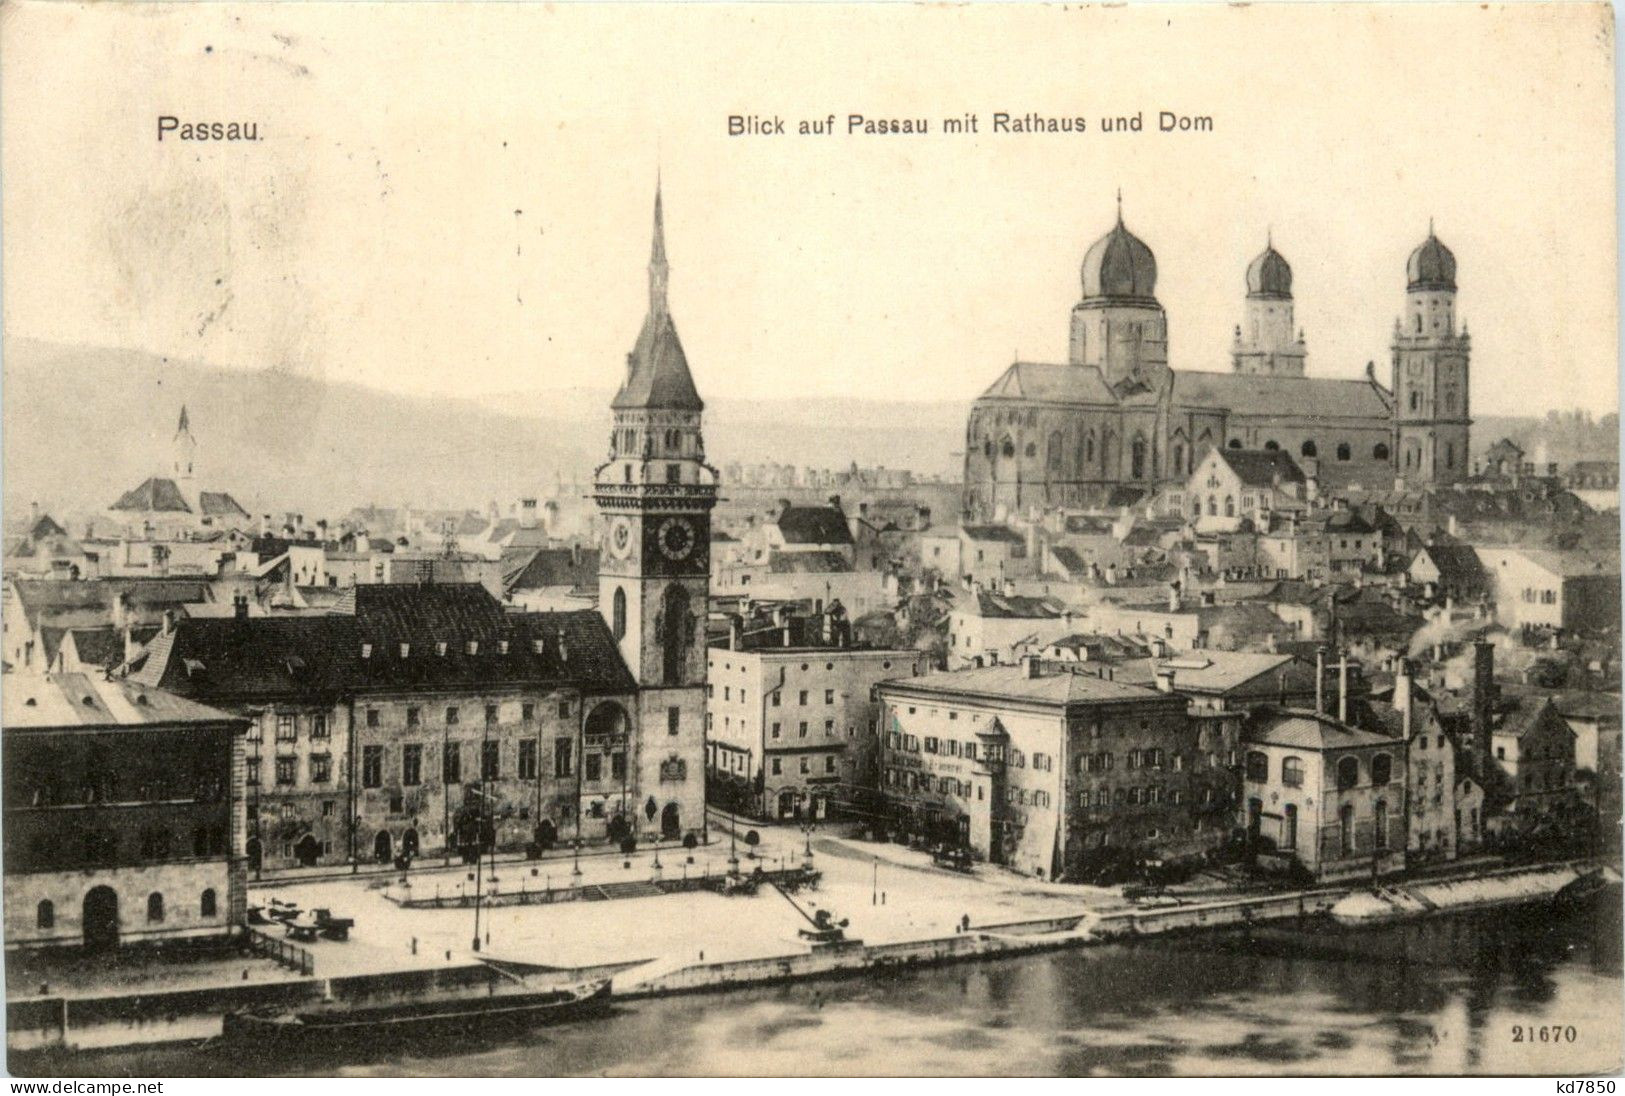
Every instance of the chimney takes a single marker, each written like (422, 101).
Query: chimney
(835, 503)
(1343, 687)
(1320, 680)
(130, 645)
(1030, 667)
(736, 629)
(1165, 679)
(239, 606)
(33, 515)
(1402, 697)
(1173, 597)
(169, 622)
(1483, 703)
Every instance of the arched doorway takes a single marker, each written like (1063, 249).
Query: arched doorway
(409, 844)
(307, 851)
(101, 918)
(381, 847)
(255, 854)
(671, 824)
(787, 804)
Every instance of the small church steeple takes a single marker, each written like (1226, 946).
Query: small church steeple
(658, 270)
(183, 448)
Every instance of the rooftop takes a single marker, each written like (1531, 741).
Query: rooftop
(38, 701)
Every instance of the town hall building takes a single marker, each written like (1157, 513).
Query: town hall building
(1116, 413)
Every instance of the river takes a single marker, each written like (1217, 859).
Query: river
(1495, 992)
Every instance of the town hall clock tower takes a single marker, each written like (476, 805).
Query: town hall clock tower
(655, 494)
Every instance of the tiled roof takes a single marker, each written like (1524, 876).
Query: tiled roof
(147, 597)
(813, 525)
(989, 604)
(1001, 533)
(231, 660)
(40, 701)
(783, 563)
(219, 504)
(1011, 681)
(1211, 671)
(1262, 467)
(1573, 564)
(1072, 384)
(154, 495)
(46, 526)
(657, 370)
(1069, 560)
(1308, 731)
(1458, 564)
(537, 568)
(1260, 394)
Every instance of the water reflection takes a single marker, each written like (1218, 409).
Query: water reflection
(1440, 996)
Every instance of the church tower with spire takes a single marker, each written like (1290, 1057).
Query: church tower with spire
(1432, 419)
(1266, 340)
(655, 493)
(1118, 326)
(183, 460)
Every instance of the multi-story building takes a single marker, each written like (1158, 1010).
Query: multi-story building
(1574, 591)
(793, 731)
(992, 627)
(124, 816)
(999, 760)
(1534, 747)
(426, 719)
(1329, 794)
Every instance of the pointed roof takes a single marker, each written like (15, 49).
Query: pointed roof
(657, 375)
(185, 426)
(1431, 266)
(1119, 265)
(156, 494)
(1269, 277)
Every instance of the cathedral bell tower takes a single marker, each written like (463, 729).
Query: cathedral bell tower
(1431, 411)
(655, 494)
(1267, 343)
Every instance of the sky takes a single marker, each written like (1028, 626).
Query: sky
(456, 200)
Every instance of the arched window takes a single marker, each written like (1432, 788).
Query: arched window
(1196, 507)
(1449, 454)
(1258, 766)
(207, 905)
(1309, 449)
(1179, 458)
(987, 448)
(1289, 826)
(1007, 447)
(1212, 506)
(618, 613)
(1229, 506)
(1343, 451)
(1379, 451)
(1272, 445)
(674, 627)
(1137, 458)
(1416, 400)
(45, 914)
(1054, 457)
(1348, 773)
(1345, 829)
(1089, 446)
(155, 907)
(1032, 449)
(1382, 823)
(1292, 772)
(1235, 443)
(1382, 769)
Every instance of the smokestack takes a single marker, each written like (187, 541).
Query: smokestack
(1402, 697)
(1165, 679)
(1320, 680)
(736, 628)
(1343, 688)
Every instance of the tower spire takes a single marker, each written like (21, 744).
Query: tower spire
(1119, 205)
(184, 426)
(658, 269)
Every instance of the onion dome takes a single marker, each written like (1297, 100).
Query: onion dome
(1119, 266)
(1431, 266)
(1269, 276)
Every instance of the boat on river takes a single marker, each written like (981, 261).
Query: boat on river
(462, 1018)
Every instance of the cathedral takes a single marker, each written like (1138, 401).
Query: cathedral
(1116, 414)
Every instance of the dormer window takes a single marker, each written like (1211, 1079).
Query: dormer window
(366, 650)
(406, 649)
(440, 649)
(473, 646)
(536, 645)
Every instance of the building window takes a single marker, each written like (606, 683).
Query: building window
(285, 729)
(251, 771)
(618, 613)
(1382, 769)
(806, 764)
(411, 765)
(617, 766)
(527, 712)
(318, 725)
(1348, 773)
(1379, 451)
(207, 905)
(490, 760)
(372, 766)
(564, 709)
(287, 770)
(413, 716)
(563, 762)
(595, 768)
(321, 768)
(1292, 772)
(492, 715)
(1345, 829)
(372, 717)
(829, 763)
(45, 915)
(829, 696)
(155, 907)
(673, 715)
(451, 716)
(1343, 452)
(451, 763)
(1258, 766)
(1309, 449)
(1382, 824)
(527, 759)
(801, 731)
(1289, 826)
(803, 699)
(778, 767)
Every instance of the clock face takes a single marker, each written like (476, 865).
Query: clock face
(676, 538)
(620, 538)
